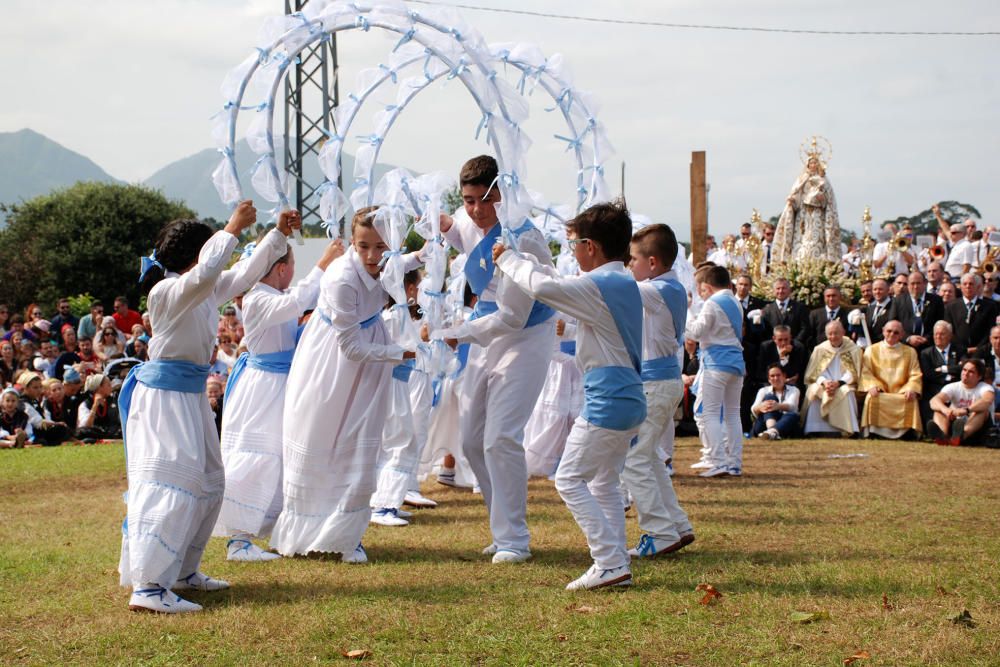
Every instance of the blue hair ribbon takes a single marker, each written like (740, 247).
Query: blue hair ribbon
(147, 263)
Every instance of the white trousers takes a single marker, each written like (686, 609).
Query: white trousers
(500, 390)
(400, 453)
(645, 474)
(721, 430)
(588, 479)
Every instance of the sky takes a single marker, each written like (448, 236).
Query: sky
(131, 84)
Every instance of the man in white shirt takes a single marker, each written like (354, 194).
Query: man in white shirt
(962, 409)
(962, 253)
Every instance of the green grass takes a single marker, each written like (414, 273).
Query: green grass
(800, 532)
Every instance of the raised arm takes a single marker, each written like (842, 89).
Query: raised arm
(573, 295)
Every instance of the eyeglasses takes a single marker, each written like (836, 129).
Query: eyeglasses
(573, 243)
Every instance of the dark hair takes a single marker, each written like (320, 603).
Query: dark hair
(96, 303)
(83, 339)
(411, 278)
(177, 247)
(17, 318)
(481, 170)
(779, 367)
(977, 364)
(363, 218)
(716, 276)
(608, 225)
(657, 241)
(124, 299)
(468, 296)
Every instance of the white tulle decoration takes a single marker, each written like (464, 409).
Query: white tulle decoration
(267, 180)
(226, 183)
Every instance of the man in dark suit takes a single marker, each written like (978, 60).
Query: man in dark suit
(971, 316)
(783, 350)
(940, 364)
(990, 354)
(752, 338)
(879, 310)
(918, 311)
(787, 311)
(819, 317)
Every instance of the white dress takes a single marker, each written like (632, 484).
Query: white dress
(335, 405)
(253, 411)
(555, 411)
(175, 472)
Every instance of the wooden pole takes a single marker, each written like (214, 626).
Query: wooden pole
(699, 207)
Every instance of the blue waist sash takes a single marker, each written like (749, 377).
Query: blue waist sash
(568, 347)
(613, 398)
(403, 371)
(166, 374)
(270, 362)
(727, 358)
(539, 312)
(365, 324)
(662, 368)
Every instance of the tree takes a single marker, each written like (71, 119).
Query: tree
(85, 238)
(925, 222)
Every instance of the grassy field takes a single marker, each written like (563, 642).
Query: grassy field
(888, 545)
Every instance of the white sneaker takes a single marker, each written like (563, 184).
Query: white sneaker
(446, 477)
(735, 472)
(196, 581)
(598, 578)
(417, 499)
(510, 556)
(651, 547)
(490, 549)
(717, 471)
(387, 516)
(159, 600)
(242, 549)
(358, 556)
(701, 465)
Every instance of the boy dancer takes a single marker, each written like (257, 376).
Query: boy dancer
(718, 329)
(664, 524)
(254, 400)
(608, 307)
(502, 383)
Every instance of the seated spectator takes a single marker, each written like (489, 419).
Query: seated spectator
(32, 314)
(230, 326)
(63, 316)
(947, 292)
(147, 324)
(125, 318)
(26, 356)
(72, 394)
(971, 316)
(90, 322)
(140, 348)
(689, 371)
(97, 418)
(215, 387)
(783, 350)
(54, 403)
(45, 359)
(963, 410)
(8, 363)
(15, 431)
(891, 378)
(831, 380)
(46, 431)
(42, 330)
(89, 363)
(17, 328)
(776, 407)
(990, 355)
(137, 331)
(224, 357)
(70, 355)
(939, 365)
(108, 344)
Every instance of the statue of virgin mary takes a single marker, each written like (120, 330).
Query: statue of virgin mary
(809, 226)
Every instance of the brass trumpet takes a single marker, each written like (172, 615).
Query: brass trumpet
(901, 243)
(936, 252)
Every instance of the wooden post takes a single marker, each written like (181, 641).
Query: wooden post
(699, 207)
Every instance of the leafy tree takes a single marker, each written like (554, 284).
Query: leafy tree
(925, 222)
(85, 238)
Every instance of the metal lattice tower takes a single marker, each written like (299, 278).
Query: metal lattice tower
(311, 98)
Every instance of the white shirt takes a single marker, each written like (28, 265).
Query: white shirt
(598, 342)
(882, 250)
(960, 396)
(789, 397)
(961, 253)
(513, 304)
(658, 334)
(833, 372)
(271, 316)
(944, 368)
(712, 327)
(183, 309)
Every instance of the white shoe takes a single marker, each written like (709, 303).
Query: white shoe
(159, 600)
(417, 499)
(701, 465)
(357, 556)
(717, 471)
(735, 472)
(387, 516)
(196, 581)
(510, 556)
(490, 549)
(403, 514)
(446, 477)
(598, 578)
(242, 549)
(651, 547)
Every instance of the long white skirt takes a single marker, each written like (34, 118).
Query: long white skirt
(334, 412)
(557, 407)
(443, 436)
(400, 452)
(251, 454)
(175, 480)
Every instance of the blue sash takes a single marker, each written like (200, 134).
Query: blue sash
(727, 358)
(539, 312)
(613, 395)
(167, 374)
(271, 362)
(365, 324)
(479, 266)
(568, 347)
(661, 368)
(404, 370)
(675, 297)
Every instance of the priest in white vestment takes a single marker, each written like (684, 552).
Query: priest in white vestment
(831, 380)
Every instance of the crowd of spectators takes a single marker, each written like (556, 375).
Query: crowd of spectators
(60, 375)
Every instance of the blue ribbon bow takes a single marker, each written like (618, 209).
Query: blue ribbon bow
(147, 263)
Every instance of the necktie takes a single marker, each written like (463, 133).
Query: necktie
(829, 316)
(968, 310)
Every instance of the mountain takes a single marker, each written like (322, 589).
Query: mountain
(190, 179)
(32, 164)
